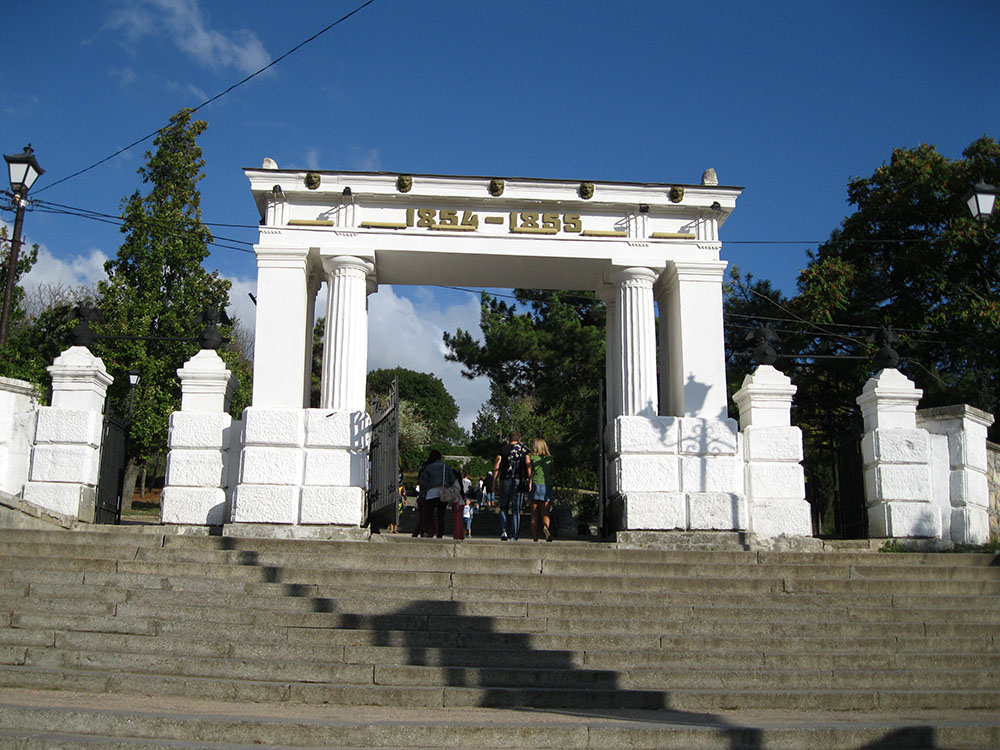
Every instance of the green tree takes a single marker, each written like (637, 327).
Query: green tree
(911, 256)
(544, 365)
(157, 287)
(17, 360)
(428, 397)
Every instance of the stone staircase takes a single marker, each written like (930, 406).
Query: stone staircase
(137, 637)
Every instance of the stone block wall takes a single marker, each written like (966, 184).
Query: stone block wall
(18, 407)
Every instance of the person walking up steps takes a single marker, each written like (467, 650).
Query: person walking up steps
(511, 467)
(540, 490)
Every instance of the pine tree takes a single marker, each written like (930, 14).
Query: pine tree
(156, 289)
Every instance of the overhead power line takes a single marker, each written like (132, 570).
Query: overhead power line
(208, 101)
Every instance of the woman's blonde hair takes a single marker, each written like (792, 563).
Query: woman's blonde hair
(540, 447)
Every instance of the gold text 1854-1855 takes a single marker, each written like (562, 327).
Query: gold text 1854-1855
(519, 222)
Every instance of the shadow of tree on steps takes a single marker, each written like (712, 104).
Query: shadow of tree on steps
(482, 662)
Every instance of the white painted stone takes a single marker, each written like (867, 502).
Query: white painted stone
(774, 481)
(68, 426)
(200, 430)
(765, 398)
(889, 400)
(61, 497)
(271, 465)
(643, 473)
(902, 520)
(910, 482)
(79, 380)
(707, 437)
(720, 511)
(279, 427)
(256, 503)
(772, 443)
(642, 435)
(195, 468)
(64, 463)
(940, 480)
(895, 446)
(206, 385)
(337, 429)
(655, 510)
(335, 466)
(970, 525)
(712, 474)
(692, 343)
(969, 488)
(193, 505)
(342, 506)
(780, 518)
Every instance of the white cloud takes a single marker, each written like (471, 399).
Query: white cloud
(363, 160)
(77, 270)
(185, 25)
(402, 333)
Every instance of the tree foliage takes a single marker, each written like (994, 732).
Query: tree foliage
(544, 358)
(157, 287)
(429, 402)
(910, 256)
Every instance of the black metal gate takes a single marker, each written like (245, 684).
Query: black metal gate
(851, 510)
(111, 474)
(383, 463)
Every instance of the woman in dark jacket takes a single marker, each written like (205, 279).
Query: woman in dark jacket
(435, 475)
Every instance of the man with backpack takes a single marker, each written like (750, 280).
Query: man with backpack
(511, 474)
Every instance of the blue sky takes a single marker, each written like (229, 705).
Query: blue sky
(788, 99)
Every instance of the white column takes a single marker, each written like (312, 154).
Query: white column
(636, 344)
(282, 327)
(346, 341)
(897, 460)
(198, 464)
(965, 429)
(65, 459)
(772, 452)
(692, 344)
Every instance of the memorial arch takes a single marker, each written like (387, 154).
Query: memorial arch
(672, 460)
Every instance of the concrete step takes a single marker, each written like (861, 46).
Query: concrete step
(35, 720)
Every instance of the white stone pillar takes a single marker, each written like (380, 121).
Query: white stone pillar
(692, 345)
(897, 460)
(199, 439)
(636, 344)
(772, 452)
(346, 340)
(18, 409)
(280, 340)
(965, 429)
(65, 459)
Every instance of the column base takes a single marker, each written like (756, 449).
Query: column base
(205, 506)
(773, 518)
(970, 525)
(78, 501)
(685, 511)
(897, 520)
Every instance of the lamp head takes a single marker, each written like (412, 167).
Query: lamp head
(23, 169)
(981, 199)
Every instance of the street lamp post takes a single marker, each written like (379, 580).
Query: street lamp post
(24, 170)
(981, 200)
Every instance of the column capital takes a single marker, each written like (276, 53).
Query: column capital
(705, 271)
(282, 257)
(331, 264)
(633, 274)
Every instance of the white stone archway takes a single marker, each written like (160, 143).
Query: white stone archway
(673, 453)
